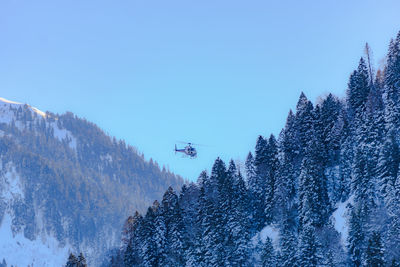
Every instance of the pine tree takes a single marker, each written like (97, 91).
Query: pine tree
(268, 256)
(345, 158)
(250, 170)
(272, 165)
(285, 180)
(309, 248)
(72, 261)
(392, 84)
(331, 127)
(258, 188)
(288, 241)
(358, 90)
(174, 229)
(218, 220)
(149, 253)
(313, 197)
(356, 237)
(189, 201)
(236, 219)
(131, 243)
(391, 237)
(388, 164)
(160, 233)
(394, 263)
(304, 121)
(362, 182)
(202, 247)
(81, 260)
(374, 253)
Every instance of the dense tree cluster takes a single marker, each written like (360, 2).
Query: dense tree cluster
(337, 154)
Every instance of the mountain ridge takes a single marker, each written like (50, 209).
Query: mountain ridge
(62, 177)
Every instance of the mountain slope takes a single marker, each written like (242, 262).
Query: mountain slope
(66, 186)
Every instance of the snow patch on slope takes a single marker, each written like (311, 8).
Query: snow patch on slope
(63, 134)
(268, 231)
(15, 248)
(11, 185)
(20, 251)
(8, 113)
(340, 219)
(5, 109)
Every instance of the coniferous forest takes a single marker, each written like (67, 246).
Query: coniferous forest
(325, 192)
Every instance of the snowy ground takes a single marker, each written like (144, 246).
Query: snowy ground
(7, 115)
(268, 231)
(15, 248)
(340, 220)
(20, 251)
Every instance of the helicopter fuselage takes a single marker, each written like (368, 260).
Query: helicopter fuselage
(188, 150)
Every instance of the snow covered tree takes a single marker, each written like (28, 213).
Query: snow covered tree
(72, 261)
(358, 90)
(285, 180)
(81, 260)
(356, 237)
(159, 236)
(236, 219)
(303, 126)
(149, 252)
(258, 188)
(309, 248)
(131, 243)
(388, 164)
(392, 84)
(174, 230)
(250, 170)
(200, 254)
(272, 168)
(328, 117)
(375, 254)
(288, 241)
(314, 205)
(268, 255)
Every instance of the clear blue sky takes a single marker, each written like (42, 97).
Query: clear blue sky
(213, 72)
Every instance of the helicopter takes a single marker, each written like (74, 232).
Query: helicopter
(189, 150)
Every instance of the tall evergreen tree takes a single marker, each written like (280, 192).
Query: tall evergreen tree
(174, 229)
(131, 243)
(358, 90)
(375, 253)
(356, 237)
(236, 219)
(258, 188)
(268, 255)
(388, 164)
(313, 197)
(392, 84)
(272, 168)
(309, 248)
(149, 253)
(82, 260)
(304, 121)
(288, 241)
(72, 261)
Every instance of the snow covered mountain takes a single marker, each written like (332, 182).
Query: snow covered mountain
(65, 186)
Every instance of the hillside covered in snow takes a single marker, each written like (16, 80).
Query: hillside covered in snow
(65, 186)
